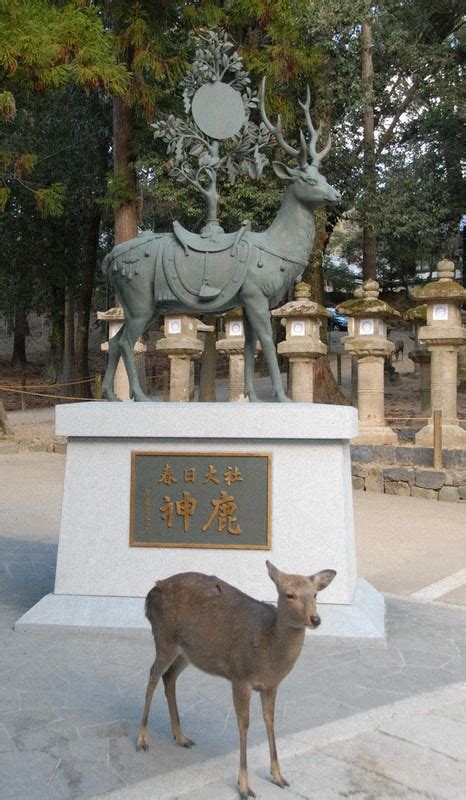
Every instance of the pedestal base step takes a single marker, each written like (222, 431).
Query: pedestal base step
(364, 618)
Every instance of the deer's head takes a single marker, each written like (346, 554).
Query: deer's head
(297, 595)
(307, 184)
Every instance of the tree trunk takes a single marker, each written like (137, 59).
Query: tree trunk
(20, 331)
(126, 216)
(369, 254)
(85, 303)
(54, 366)
(68, 346)
(326, 389)
(208, 365)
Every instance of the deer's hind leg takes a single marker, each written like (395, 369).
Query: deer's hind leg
(169, 679)
(165, 656)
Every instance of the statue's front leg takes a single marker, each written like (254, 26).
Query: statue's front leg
(249, 359)
(257, 311)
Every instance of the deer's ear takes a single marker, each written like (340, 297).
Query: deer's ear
(283, 172)
(322, 579)
(273, 572)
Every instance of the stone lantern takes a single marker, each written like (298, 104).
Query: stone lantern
(232, 345)
(421, 358)
(116, 318)
(182, 346)
(370, 345)
(443, 335)
(302, 345)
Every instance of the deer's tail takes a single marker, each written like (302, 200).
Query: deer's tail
(152, 604)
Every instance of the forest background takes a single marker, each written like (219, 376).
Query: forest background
(80, 169)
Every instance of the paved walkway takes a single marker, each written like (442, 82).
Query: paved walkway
(354, 719)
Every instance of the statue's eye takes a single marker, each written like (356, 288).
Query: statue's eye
(312, 181)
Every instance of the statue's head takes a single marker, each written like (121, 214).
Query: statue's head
(305, 179)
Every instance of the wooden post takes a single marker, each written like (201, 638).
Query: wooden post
(339, 369)
(437, 421)
(98, 386)
(5, 427)
(23, 394)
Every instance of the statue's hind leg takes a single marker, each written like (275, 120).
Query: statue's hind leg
(133, 329)
(113, 358)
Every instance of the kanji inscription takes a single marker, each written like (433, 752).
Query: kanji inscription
(200, 500)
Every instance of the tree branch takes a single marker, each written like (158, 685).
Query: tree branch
(388, 135)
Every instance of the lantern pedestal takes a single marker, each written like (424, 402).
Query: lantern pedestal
(443, 335)
(302, 345)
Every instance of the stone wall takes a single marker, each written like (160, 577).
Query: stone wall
(411, 481)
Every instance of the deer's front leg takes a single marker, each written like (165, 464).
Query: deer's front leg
(257, 311)
(268, 711)
(241, 700)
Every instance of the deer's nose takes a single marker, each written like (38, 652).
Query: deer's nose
(315, 622)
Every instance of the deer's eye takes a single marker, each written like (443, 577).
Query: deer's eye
(291, 596)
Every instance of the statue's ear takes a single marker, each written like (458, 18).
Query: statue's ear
(283, 172)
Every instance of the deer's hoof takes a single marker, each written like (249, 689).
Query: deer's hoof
(245, 793)
(185, 742)
(142, 743)
(281, 782)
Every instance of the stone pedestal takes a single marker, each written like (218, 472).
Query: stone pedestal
(421, 358)
(462, 361)
(182, 346)
(115, 318)
(443, 335)
(101, 581)
(302, 318)
(368, 343)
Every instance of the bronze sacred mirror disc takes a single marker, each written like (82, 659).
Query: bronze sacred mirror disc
(218, 110)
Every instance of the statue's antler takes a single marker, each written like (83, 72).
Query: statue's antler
(276, 130)
(317, 157)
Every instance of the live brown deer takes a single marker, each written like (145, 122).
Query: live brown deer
(202, 620)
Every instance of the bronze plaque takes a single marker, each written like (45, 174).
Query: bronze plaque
(200, 500)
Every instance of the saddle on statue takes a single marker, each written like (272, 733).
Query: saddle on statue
(206, 269)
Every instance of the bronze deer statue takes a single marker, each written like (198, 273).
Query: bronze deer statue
(214, 272)
(202, 620)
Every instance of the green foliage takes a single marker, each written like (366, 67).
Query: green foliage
(119, 191)
(7, 105)
(50, 200)
(4, 195)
